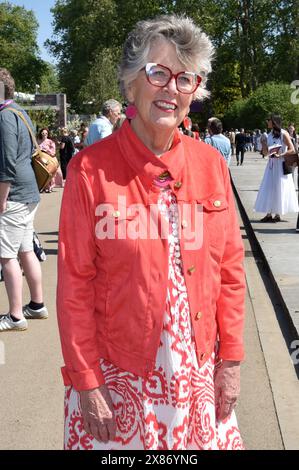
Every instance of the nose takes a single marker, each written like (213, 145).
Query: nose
(171, 86)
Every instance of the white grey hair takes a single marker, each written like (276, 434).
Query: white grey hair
(110, 105)
(194, 49)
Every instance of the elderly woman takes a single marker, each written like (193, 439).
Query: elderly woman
(151, 282)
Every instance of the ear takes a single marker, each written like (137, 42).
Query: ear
(130, 93)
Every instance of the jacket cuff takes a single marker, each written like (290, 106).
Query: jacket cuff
(85, 380)
(231, 352)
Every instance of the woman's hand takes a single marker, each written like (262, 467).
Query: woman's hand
(98, 415)
(227, 388)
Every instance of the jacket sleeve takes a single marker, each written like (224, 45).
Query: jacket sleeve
(231, 302)
(75, 288)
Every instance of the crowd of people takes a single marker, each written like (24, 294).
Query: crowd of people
(130, 310)
(229, 143)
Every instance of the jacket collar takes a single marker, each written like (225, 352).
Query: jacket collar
(145, 163)
(104, 118)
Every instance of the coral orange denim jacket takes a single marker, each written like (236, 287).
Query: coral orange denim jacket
(111, 291)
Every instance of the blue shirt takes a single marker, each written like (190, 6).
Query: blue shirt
(222, 144)
(99, 129)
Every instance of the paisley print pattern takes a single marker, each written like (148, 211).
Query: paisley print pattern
(173, 408)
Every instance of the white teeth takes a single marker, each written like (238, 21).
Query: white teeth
(162, 104)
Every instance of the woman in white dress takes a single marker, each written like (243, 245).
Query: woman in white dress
(277, 194)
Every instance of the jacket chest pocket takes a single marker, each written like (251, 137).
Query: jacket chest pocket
(117, 231)
(215, 210)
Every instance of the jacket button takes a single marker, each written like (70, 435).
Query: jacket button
(198, 316)
(202, 356)
(191, 269)
(184, 224)
(217, 203)
(178, 184)
(116, 214)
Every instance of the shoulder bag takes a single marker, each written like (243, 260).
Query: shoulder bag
(292, 159)
(44, 165)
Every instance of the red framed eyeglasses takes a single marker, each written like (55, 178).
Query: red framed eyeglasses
(159, 75)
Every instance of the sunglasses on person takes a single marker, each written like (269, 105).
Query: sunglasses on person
(160, 75)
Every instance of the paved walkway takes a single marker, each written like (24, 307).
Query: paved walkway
(31, 392)
(279, 242)
(276, 301)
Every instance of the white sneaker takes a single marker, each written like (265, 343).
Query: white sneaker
(7, 324)
(30, 314)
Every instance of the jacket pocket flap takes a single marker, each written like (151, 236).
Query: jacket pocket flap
(115, 211)
(215, 203)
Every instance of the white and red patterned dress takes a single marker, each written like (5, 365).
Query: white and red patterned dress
(172, 409)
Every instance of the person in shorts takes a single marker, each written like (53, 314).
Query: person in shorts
(19, 198)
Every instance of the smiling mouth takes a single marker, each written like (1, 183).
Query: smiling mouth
(166, 106)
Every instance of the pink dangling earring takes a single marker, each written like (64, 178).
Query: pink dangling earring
(131, 111)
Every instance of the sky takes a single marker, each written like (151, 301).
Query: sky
(41, 9)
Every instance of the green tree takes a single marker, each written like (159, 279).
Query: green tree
(255, 40)
(101, 83)
(18, 46)
(235, 116)
(49, 82)
(82, 28)
(269, 98)
(285, 40)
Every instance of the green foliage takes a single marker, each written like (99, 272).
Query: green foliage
(235, 116)
(256, 41)
(49, 81)
(18, 47)
(269, 98)
(101, 83)
(19, 51)
(43, 118)
(81, 28)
